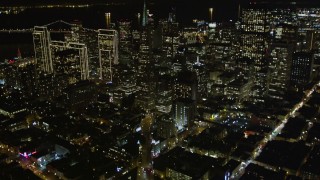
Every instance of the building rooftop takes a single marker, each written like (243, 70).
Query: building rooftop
(191, 164)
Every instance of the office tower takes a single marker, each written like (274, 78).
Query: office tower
(70, 59)
(125, 42)
(223, 46)
(202, 78)
(166, 127)
(259, 90)
(56, 46)
(316, 50)
(144, 62)
(279, 69)
(253, 37)
(307, 23)
(185, 85)
(183, 113)
(245, 66)
(45, 87)
(185, 92)
(164, 92)
(79, 95)
(145, 67)
(108, 19)
(301, 69)
(144, 14)
(238, 90)
(170, 35)
(88, 37)
(41, 42)
(258, 25)
(82, 59)
(26, 79)
(108, 53)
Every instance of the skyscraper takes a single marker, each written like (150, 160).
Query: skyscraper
(253, 37)
(170, 35)
(70, 59)
(108, 52)
(41, 42)
(108, 19)
(125, 42)
(183, 113)
(278, 68)
(186, 85)
(301, 69)
(144, 14)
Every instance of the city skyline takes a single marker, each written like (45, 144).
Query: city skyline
(160, 90)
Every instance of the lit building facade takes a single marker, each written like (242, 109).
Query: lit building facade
(108, 19)
(125, 42)
(253, 35)
(70, 59)
(183, 113)
(185, 85)
(108, 53)
(279, 69)
(301, 69)
(166, 127)
(170, 37)
(41, 42)
(223, 46)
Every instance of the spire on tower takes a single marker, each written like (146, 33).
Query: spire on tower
(18, 54)
(144, 14)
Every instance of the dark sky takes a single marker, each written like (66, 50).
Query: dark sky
(36, 2)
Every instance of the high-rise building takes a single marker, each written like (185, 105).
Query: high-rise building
(170, 35)
(253, 37)
(70, 59)
(223, 46)
(164, 93)
(238, 90)
(108, 52)
(183, 113)
(143, 62)
(41, 42)
(185, 85)
(108, 19)
(125, 42)
(279, 69)
(202, 78)
(144, 14)
(77, 96)
(56, 46)
(166, 127)
(301, 68)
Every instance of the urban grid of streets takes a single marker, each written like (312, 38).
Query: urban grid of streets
(240, 170)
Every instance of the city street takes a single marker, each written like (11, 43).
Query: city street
(240, 170)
